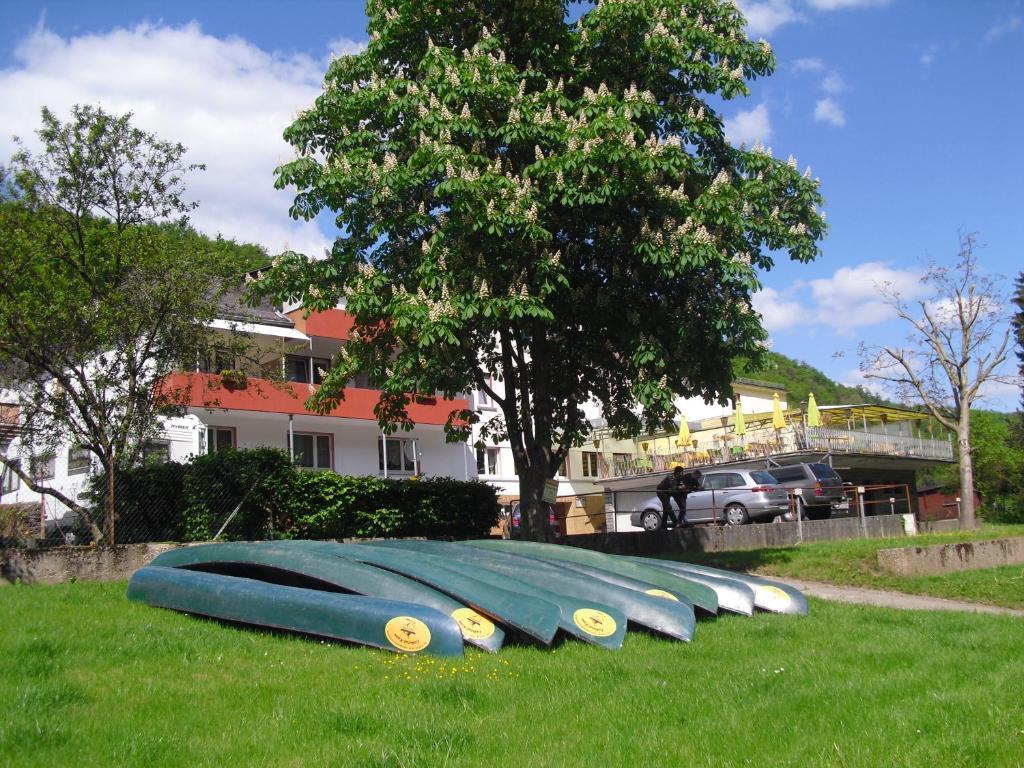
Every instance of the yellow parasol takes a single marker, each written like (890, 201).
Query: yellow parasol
(813, 416)
(778, 420)
(741, 426)
(683, 441)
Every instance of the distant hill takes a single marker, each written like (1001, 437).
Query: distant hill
(800, 379)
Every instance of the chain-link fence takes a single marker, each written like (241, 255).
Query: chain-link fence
(160, 502)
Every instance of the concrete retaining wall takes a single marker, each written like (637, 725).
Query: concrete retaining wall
(55, 566)
(944, 558)
(717, 539)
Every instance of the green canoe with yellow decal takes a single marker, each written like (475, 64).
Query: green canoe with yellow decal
(387, 624)
(701, 596)
(669, 617)
(290, 566)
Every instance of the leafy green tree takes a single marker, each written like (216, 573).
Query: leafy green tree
(103, 290)
(958, 341)
(801, 379)
(550, 202)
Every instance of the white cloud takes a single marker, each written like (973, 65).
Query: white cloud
(833, 83)
(1003, 27)
(827, 110)
(778, 312)
(225, 99)
(346, 46)
(850, 298)
(750, 126)
(808, 65)
(928, 55)
(765, 16)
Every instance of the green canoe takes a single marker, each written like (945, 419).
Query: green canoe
(289, 566)
(587, 620)
(769, 595)
(701, 596)
(388, 624)
(672, 618)
(531, 616)
(733, 594)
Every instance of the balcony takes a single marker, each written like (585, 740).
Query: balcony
(769, 444)
(207, 390)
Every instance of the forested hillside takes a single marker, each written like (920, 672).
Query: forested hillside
(801, 378)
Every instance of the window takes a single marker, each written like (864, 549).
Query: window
(401, 454)
(487, 461)
(79, 460)
(361, 381)
(305, 370)
(763, 478)
(312, 451)
(11, 481)
(720, 480)
(589, 463)
(156, 451)
(219, 439)
(43, 467)
(216, 360)
(483, 400)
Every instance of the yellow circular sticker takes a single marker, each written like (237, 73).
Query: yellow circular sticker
(472, 624)
(773, 598)
(407, 633)
(594, 622)
(662, 593)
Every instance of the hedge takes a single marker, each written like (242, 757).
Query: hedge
(269, 498)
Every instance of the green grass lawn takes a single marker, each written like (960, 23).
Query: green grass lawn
(854, 562)
(88, 679)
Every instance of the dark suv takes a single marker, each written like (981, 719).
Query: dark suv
(821, 489)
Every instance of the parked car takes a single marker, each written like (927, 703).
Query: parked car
(821, 489)
(735, 496)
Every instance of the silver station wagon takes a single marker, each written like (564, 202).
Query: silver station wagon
(733, 496)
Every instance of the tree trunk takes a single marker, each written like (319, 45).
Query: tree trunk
(111, 507)
(533, 512)
(967, 521)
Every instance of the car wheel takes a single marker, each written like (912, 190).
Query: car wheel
(820, 513)
(735, 514)
(801, 507)
(650, 520)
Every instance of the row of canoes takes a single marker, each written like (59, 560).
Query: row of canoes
(432, 597)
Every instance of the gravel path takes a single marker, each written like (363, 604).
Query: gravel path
(888, 599)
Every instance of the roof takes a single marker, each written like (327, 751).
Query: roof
(840, 414)
(759, 383)
(205, 390)
(233, 307)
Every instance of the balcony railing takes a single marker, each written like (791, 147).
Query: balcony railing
(765, 444)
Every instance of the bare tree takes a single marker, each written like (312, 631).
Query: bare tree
(959, 340)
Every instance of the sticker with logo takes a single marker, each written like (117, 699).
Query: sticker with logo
(407, 633)
(472, 624)
(773, 598)
(662, 593)
(594, 622)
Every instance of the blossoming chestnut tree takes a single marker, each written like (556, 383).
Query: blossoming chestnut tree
(546, 201)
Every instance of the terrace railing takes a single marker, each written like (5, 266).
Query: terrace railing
(765, 444)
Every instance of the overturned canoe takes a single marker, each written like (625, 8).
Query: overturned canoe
(769, 595)
(671, 618)
(587, 620)
(733, 594)
(388, 624)
(536, 618)
(290, 566)
(701, 596)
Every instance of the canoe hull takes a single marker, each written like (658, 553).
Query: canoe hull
(387, 624)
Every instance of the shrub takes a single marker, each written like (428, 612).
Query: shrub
(266, 497)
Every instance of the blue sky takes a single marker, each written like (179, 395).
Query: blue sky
(910, 111)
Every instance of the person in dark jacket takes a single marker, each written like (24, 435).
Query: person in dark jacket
(673, 487)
